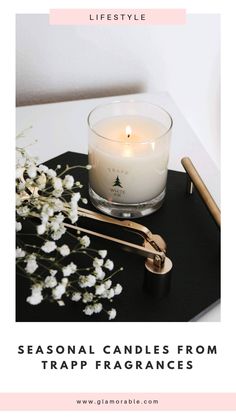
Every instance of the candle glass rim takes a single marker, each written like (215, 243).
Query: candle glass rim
(130, 141)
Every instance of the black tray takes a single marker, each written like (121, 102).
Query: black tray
(193, 242)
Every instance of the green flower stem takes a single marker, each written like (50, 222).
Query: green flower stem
(20, 135)
(114, 273)
(25, 275)
(70, 168)
(73, 288)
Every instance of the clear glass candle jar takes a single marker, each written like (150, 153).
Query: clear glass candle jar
(128, 151)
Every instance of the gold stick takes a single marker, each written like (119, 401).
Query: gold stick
(196, 180)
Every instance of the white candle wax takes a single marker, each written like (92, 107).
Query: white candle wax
(129, 159)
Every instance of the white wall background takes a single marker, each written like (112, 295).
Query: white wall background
(65, 63)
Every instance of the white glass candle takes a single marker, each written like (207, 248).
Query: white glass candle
(128, 152)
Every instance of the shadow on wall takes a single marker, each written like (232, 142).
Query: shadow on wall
(67, 95)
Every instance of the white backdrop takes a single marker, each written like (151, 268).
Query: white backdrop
(64, 63)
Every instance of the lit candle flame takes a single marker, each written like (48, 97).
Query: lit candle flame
(128, 131)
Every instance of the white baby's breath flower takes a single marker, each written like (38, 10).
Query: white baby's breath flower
(57, 192)
(49, 246)
(21, 186)
(41, 181)
(20, 253)
(18, 226)
(64, 281)
(23, 211)
(58, 291)
(87, 281)
(41, 228)
(59, 217)
(73, 215)
(59, 233)
(74, 200)
(88, 167)
(36, 289)
(19, 172)
(82, 281)
(34, 299)
(109, 264)
(58, 206)
(99, 290)
(112, 313)
(73, 267)
(68, 182)
(97, 262)
(97, 307)
(20, 158)
(47, 210)
(44, 218)
(55, 226)
(57, 183)
(64, 250)
(51, 173)
(102, 253)
(91, 280)
(87, 297)
(60, 303)
(76, 296)
(118, 289)
(110, 293)
(76, 196)
(88, 310)
(50, 282)
(84, 241)
(32, 171)
(31, 264)
(69, 269)
(43, 168)
(99, 273)
(66, 270)
(108, 284)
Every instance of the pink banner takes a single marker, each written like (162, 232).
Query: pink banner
(117, 17)
(117, 401)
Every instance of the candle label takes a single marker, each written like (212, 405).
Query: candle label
(117, 188)
(117, 182)
(121, 171)
(117, 192)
